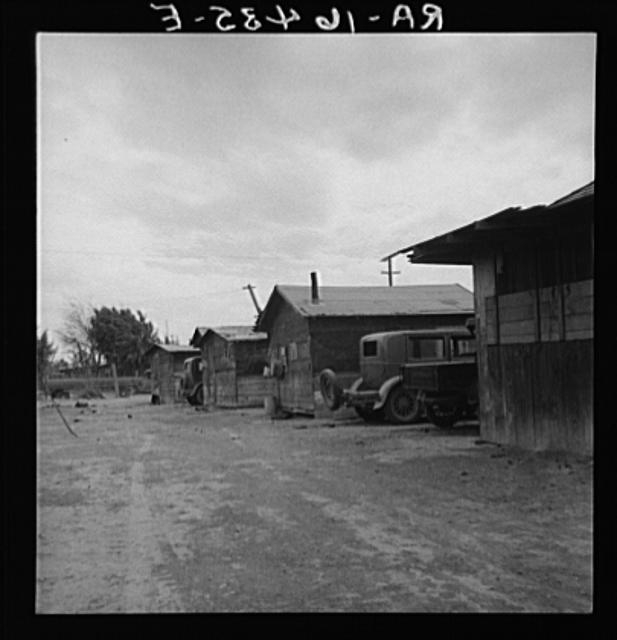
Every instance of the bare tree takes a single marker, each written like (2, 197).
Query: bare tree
(45, 352)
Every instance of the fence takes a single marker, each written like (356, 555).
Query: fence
(128, 385)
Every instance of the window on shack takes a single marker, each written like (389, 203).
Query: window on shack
(463, 347)
(369, 348)
(426, 348)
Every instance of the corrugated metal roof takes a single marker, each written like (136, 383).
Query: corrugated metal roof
(582, 192)
(458, 245)
(238, 333)
(174, 348)
(380, 301)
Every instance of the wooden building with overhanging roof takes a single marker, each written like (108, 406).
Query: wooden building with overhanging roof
(233, 360)
(166, 367)
(311, 328)
(534, 293)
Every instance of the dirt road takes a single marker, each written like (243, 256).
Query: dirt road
(168, 509)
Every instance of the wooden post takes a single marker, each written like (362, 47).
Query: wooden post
(114, 373)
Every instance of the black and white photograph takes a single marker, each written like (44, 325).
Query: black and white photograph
(315, 316)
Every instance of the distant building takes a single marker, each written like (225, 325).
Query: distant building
(533, 289)
(311, 328)
(198, 334)
(233, 360)
(166, 366)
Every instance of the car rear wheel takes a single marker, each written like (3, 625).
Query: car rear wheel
(402, 406)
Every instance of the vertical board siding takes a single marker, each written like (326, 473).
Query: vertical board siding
(164, 368)
(546, 393)
(294, 390)
(230, 365)
(517, 392)
(490, 388)
(550, 314)
(226, 395)
(489, 368)
(578, 310)
(547, 374)
(577, 393)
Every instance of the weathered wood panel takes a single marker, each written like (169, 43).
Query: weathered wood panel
(491, 321)
(251, 390)
(551, 319)
(518, 396)
(577, 394)
(517, 317)
(486, 333)
(546, 373)
(491, 396)
(250, 356)
(165, 368)
(578, 310)
(546, 394)
(226, 392)
(294, 390)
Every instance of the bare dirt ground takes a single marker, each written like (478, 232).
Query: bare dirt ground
(169, 509)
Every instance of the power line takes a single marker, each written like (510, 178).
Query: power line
(157, 255)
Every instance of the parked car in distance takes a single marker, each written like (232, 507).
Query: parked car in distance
(442, 374)
(192, 387)
(379, 392)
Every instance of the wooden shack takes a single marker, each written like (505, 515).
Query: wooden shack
(166, 365)
(533, 289)
(233, 360)
(311, 328)
(197, 336)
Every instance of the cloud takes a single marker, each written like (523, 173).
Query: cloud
(173, 168)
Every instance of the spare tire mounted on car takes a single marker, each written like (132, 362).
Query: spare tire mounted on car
(331, 390)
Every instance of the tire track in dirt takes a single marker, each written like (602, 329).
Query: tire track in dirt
(143, 591)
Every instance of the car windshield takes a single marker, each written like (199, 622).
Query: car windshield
(463, 347)
(425, 348)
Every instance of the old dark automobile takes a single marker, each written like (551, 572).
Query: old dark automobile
(379, 392)
(406, 374)
(442, 374)
(191, 383)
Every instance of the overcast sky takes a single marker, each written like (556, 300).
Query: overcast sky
(175, 169)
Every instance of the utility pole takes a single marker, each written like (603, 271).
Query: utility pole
(389, 272)
(250, 288)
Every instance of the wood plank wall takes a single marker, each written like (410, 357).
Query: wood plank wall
(163, 366)
(535, 362)
(294, 392)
